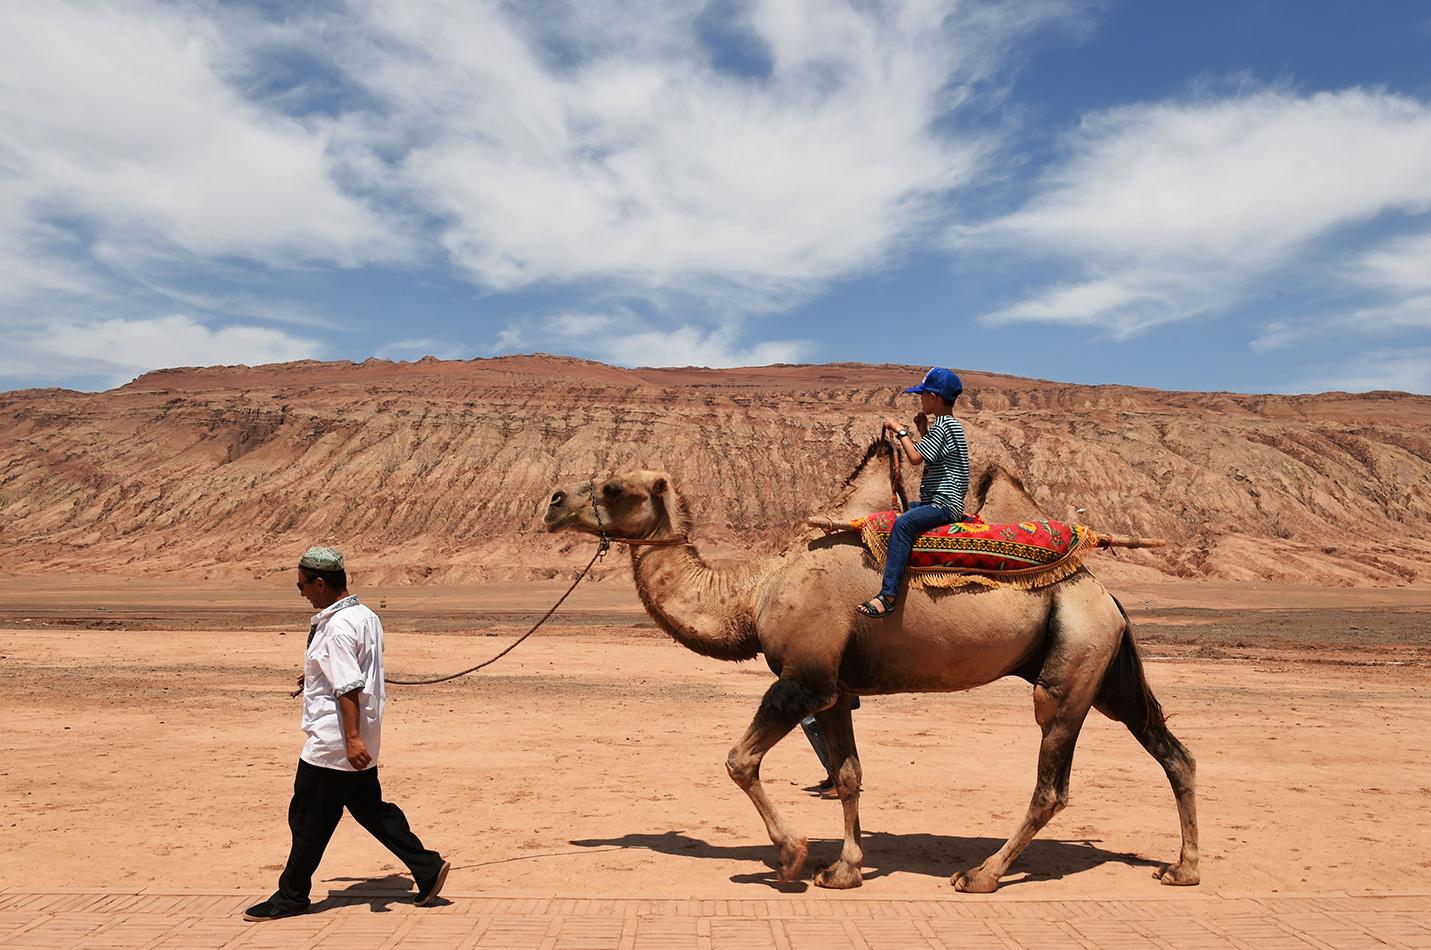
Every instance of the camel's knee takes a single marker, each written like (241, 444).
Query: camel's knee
(1045, 804)
(742, 767)
(1045, 706)
(1061, 800)
(848, 777)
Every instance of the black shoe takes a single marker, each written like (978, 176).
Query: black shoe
(427, 893)
(267, 911)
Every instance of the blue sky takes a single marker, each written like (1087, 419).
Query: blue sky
(1189, 196)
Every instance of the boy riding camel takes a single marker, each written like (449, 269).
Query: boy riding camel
(944, 453)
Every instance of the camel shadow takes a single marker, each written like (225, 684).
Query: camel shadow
(1045, 859)
(378, 893)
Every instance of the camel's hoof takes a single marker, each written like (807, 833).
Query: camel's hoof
(839, 876)
(792, 858)
(1177, 875)
(975, 881)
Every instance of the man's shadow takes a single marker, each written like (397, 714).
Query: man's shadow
(378, 893)
(1045, 859)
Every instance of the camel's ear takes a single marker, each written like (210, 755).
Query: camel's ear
(658, 487)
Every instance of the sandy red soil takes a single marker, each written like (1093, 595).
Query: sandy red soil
(160, 751)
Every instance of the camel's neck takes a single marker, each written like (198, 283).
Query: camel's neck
(705, 609)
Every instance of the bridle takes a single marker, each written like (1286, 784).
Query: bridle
(606, 540)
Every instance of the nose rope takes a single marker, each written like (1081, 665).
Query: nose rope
(604, 544)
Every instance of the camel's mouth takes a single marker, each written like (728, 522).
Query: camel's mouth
(554, 521)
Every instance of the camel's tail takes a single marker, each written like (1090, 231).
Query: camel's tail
(1128, 541)
(1124, 694)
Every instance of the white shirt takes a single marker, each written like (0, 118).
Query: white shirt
(344, 653)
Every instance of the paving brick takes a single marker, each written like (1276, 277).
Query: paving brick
(116, 918)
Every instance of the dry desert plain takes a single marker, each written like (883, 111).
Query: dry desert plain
(150, 742)
(149, 634)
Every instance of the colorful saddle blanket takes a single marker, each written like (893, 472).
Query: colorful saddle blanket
(1024, 554)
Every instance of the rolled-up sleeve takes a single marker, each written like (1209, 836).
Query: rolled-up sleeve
(339, 662)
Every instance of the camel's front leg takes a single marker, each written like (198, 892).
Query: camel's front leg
(786, 702)
(845, 764)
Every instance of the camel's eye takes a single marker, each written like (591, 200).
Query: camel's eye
(611, 491)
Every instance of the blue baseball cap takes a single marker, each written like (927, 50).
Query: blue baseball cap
(940, 381)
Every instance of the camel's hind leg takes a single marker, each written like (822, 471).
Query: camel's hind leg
(785, 703)
(1060, 717)
(1083, 633)
(845, 767)
(1126, 698)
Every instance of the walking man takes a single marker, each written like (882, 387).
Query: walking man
(342, 685)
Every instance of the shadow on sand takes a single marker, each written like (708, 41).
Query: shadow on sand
(1045, 859)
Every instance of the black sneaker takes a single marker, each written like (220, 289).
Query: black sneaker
(267, 911)
(427, 893)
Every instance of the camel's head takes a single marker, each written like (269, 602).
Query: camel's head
(628, 505)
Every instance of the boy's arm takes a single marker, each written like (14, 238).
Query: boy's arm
(904, 442)
(911, 451)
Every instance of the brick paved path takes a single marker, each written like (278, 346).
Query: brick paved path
(378, 919)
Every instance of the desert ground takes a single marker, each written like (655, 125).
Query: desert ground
(150, 742)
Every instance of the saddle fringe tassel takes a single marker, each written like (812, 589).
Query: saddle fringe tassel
(1026, 579)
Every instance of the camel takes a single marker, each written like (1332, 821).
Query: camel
(1072, 640)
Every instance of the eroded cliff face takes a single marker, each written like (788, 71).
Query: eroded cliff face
(438, 471)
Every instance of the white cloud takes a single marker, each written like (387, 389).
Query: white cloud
(692, 346)
(121, 121)
(1409, 314)
(561, 142)
(117, 350)
(1407, 370)
(1184, 203)
(424, 346)
(625, 339)
(1403, 265)
(1088, 302)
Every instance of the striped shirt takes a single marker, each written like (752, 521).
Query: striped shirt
(946, 465)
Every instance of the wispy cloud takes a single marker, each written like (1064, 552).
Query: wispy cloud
(626, 339)
(1406, 370)
(1403, 265)
(117, 350)
(123, 117)
(1171, 209)
(590, 140)
(425, 346)
(1385, 319)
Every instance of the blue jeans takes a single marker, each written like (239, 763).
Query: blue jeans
(922, 516)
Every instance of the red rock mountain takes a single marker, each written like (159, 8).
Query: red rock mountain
(437, 470)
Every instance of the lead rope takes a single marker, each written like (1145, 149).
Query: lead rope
(896, 478)
(601, 549)
(602, 546)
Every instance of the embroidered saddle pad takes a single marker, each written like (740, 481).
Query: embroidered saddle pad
(1024, 554)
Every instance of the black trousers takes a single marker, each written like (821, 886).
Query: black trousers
(319, 797)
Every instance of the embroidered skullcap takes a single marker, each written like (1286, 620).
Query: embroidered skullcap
(322, 559)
